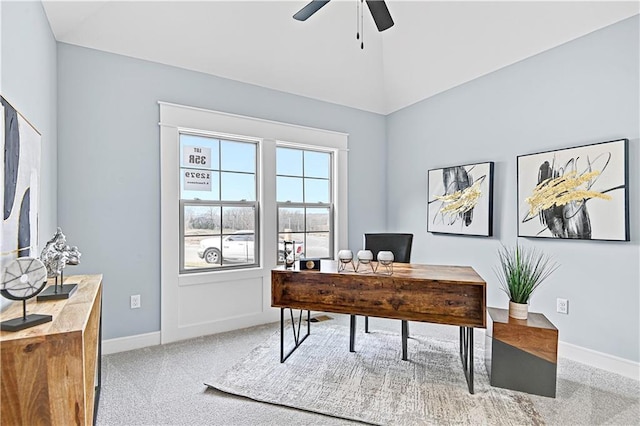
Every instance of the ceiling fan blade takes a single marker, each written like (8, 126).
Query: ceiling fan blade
(380, 13)
(311, 8)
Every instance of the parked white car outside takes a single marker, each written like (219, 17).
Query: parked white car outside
(237, 247)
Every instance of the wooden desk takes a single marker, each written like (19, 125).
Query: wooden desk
(51, 372)
(454, 295)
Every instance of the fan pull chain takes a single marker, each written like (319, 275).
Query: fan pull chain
(357, 20)
(362, 23)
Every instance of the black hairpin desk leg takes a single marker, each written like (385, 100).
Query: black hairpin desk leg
(297, 340)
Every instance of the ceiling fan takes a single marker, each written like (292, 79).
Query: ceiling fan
(378, 9)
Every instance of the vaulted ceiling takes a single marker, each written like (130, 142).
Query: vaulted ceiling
(433, 46)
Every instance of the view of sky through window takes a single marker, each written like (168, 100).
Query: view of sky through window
(303, 193)
(219, 200)
(218, 184)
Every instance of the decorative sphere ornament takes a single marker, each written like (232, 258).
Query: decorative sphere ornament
(365, 256)
(345, 257)
(22, 279)
(385, 257)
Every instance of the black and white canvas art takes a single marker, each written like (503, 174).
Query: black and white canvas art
(19, 185)
(575, 193)
(460, 200)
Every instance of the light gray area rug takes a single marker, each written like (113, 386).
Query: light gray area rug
(374, 385)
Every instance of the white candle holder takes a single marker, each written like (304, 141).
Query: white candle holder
(385, 258)
(365, 257)
(345, 257)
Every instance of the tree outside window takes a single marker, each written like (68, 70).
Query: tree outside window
(305, 201)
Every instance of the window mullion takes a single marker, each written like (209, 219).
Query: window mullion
(220, 171)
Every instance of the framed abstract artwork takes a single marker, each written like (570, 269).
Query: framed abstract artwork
(19, 185)
(460, 200)
(575, 193)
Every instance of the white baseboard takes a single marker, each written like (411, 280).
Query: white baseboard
(611, 363)
(129, 343)
(596, 359)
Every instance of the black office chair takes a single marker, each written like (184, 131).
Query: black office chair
(400, 246)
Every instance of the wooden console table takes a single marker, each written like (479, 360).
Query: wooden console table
(454, 295)
(522, 354)
(51, 372)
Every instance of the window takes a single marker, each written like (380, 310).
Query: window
(305, 201)
(218, 203)
(232, 294)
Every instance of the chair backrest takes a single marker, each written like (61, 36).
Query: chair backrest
(398, 244)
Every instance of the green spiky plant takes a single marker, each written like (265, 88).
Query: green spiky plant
(522, 270)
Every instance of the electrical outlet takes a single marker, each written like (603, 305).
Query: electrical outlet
(135, 301)
(562, 306)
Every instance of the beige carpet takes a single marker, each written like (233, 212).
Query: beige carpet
(374, 385)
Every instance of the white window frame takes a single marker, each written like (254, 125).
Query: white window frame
(304, 205)
(222, 203)
(176, 118)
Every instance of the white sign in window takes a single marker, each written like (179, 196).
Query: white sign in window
(196, 180)
(196, 156)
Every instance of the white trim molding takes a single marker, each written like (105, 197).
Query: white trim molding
(610, 363)
(129, 343)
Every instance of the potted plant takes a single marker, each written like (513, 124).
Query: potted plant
(521, 271)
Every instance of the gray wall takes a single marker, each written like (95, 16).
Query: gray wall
(28, 82)
(109, 190)
(585, 91)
